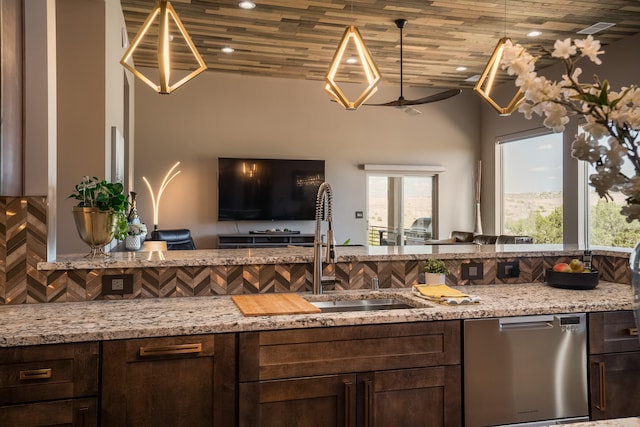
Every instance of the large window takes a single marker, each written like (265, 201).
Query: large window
(531, 187)
(400, 209)
(607, 226)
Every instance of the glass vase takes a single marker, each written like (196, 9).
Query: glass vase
(634, 262)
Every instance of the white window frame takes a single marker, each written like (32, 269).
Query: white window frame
(401, 171)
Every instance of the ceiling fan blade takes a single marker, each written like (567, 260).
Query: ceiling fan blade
(397, 103)
(433, 98)
(401, 102)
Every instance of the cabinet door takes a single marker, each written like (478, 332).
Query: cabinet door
(174, 381)
(58, 413)
(48, 372)
(410, 397)
(326, 401)
(615, 389)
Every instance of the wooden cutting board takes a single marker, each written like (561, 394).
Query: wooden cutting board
(273, 304)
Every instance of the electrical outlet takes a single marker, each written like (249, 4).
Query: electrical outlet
(472, 271)
(117, 284)
(508, 269)
(359, 214)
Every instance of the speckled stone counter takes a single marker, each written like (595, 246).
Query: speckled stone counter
(33, 324)
(622, 422)
(222, 257)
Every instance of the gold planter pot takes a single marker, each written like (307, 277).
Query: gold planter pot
(95, 227)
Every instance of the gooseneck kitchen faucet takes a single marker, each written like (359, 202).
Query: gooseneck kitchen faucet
(324, 206)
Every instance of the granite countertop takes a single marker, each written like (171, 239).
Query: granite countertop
(33, 324)
(290, 255)
(621, 422)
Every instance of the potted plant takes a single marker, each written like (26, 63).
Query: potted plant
(435, 271)
(101, 212)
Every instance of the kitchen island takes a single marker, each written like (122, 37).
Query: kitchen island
(204, 347)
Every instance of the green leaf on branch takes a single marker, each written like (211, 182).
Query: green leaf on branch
(604, 98)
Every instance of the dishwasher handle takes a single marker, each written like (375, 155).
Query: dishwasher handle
(525, 323)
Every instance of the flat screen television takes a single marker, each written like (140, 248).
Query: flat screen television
(268, 189)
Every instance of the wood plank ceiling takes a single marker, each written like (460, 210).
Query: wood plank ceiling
(297, 38)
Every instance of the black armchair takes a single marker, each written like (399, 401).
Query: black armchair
(178, 239)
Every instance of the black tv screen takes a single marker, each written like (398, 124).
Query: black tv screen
(268, 189)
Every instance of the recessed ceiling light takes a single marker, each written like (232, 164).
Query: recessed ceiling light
(351, 60)
(228, 49)
(461, 68)
(534, 33)
(246, 5)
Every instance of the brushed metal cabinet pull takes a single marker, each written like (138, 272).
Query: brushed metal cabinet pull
(602, 406)
(168, 350)
(83, 413)
(633, 332)
(35, 374)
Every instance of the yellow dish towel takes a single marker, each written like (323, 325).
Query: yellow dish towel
(445, 295)
(439, 291)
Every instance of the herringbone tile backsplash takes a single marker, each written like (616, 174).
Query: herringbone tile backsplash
(23, 244)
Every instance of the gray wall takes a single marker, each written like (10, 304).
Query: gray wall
(217, 115)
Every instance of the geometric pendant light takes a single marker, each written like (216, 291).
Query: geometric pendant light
(485, 84)
(164, 12)
(351, 34)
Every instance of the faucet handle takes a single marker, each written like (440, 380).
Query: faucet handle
(331, 247)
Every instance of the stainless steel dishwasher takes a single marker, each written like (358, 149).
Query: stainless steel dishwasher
(528, 370)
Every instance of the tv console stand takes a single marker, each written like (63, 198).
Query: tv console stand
(273, 239)
(275, 232)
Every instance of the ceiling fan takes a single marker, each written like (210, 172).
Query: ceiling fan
(406, 104)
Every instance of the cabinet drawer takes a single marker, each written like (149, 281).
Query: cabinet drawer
(167, 347)
(336, 350)
(47, 372)
(613, 331)
(71, 412)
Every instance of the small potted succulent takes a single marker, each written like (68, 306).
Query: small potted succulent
(101, 212)
(435, 271)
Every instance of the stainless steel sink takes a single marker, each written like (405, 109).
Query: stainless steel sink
(361, 305)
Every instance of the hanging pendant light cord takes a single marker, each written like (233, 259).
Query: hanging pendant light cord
(505, 18)
(401, 83)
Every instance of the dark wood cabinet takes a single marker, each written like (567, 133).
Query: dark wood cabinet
(614, 365)
(320, 401)
(185, 381)
(411, 397)
(49, 385)
(373, 375)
